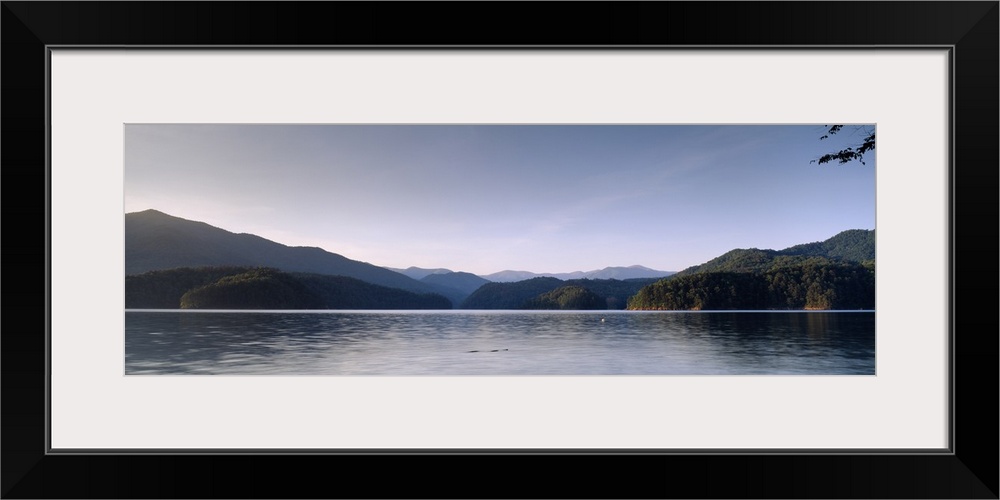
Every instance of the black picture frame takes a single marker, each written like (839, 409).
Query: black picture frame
(970, 470)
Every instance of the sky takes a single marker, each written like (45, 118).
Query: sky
(486, 198)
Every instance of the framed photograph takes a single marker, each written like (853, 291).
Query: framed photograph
(304, 239)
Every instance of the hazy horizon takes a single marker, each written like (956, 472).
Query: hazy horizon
(489, 198)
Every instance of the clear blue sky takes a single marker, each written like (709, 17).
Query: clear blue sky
(484, 198)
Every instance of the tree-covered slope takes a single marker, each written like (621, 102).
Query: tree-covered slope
(261, 288)
(572, 297)
(518, 295)
(509, 295)
(265, 288)
(339, 292)
(740, 260)
(615, 293)
(820, 284)
(164, 289)
(838, 273)
(855, 245)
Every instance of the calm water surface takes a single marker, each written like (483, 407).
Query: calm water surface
(498, 343)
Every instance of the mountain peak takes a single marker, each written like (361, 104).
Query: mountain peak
(148, 211)
(419, 273)
(157, 241)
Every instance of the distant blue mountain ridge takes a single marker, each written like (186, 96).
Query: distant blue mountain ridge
(507, 276)
(608, 273)
(156, 241)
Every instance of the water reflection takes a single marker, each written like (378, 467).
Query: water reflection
(499, 343)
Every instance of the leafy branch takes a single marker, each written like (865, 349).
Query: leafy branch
(851, 153)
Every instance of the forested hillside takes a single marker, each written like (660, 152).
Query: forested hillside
(817, 283)
(265, 288)
(567, 297)
(855, 245)
(527, 294)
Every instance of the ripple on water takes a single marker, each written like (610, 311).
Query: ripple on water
(537, 343)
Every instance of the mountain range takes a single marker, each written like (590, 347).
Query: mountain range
(608, 273)
(220, 263)
(157, 241)
(507, 276)
(419, 273)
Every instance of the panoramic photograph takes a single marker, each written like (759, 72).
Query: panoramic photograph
(499, 250)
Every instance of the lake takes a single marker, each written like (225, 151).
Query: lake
(499, 343)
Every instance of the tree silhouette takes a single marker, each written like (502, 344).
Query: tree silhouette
(849, 154)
